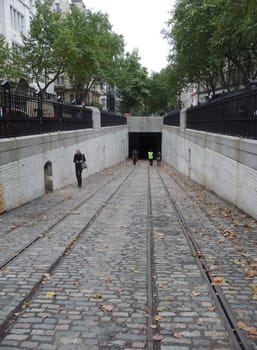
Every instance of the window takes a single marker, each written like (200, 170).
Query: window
(60, 81)
(17, 20)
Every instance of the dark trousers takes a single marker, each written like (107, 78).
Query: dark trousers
(151, 161)
(78, 171)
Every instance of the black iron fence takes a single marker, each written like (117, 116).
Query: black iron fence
(111, 118)
(172, 118)
(26, 115)
(232, 114)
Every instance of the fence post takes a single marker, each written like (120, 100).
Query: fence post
(6, 103)
(60, 101)
(40, 109)
(183, 118)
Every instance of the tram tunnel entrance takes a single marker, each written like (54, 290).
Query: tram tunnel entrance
(143, 142)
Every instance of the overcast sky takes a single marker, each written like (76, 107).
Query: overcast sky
(140, 22)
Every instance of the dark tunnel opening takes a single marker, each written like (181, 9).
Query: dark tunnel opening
(143, 142)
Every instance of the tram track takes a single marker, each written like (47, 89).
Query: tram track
(237, 337)
(42, 234)
(17, 310)
(151, 287)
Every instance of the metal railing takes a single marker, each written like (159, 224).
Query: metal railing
(232, 114)
(172, 118)
(111, 119)
(25, 115)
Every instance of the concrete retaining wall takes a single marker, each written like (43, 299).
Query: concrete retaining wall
(22, 160)
(226, 165)
(145, 124)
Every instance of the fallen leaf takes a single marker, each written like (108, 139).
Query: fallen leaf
(158, 337)
(195, 294)
(177, 335)
(225, 212)
(199, 255)
(50, 295)
(254, 297)
(212, 308)
(235, 222)
(250, 330)
(170, 299)
(229, 234)
(25, 305)
(14, 226)
(239, 262)
(76, 283)
(200, 322)
(47, 276)
(98, 297)
(217, 281)
(153, 326)
(254, 288)
(241, 325)
(251, 273)
(251, 225)
(107, 308)
(157, 318)
(161, 308)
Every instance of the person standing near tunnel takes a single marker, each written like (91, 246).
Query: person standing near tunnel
(150, 157)
(78, 159)
(134, 156)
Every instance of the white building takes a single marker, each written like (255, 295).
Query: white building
(15, 19)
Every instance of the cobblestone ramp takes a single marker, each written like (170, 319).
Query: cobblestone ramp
(95, 297)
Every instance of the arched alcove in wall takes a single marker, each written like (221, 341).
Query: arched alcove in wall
(48, 175)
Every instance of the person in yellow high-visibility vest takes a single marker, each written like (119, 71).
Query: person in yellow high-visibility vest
(150, 157)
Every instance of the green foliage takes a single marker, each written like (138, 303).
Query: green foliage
(211, 39)
(91, 50)
(132, 84)
(42, 56)
(10, 65)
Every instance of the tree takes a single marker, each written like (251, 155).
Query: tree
(210, 39)
(235, 37)
(42, 54)
(10, 61)
(164, 91)
(91, 50)
(132, 83)
(190, 32)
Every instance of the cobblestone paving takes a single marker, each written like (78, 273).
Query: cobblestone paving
(96, 297)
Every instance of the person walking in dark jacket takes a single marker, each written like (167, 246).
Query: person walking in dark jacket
(159, 158)
(134, 156)
(78, 159)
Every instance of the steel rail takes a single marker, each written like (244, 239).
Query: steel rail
(151, 286)
(43, 234)
(238, 339)
(14, 314)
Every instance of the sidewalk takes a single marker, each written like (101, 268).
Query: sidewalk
(94, 295)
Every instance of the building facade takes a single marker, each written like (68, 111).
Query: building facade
(15, 19)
